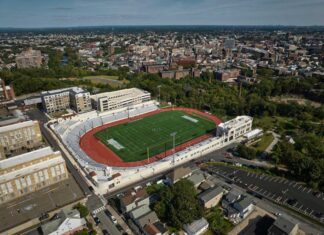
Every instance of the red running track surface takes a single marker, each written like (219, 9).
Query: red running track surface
(102, 154)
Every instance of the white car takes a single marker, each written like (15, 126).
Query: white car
(114, 220)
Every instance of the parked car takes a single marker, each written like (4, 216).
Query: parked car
(96, 219)
(114, 220)
(105, 232)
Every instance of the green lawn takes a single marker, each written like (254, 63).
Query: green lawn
(133, 141)
(265, 141)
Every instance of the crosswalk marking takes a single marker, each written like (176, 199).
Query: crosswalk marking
(96, 211)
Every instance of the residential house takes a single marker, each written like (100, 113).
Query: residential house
(211, 197)
(156, 228)
(231, 197)
(283, 226)
(148, 218)
(178, 174)
(197, 227)
(139, 211)
(244, 206)
(133, 199)
(197, 178)
(66, 222)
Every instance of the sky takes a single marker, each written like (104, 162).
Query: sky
(69, 13)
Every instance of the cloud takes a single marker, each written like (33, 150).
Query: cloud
(16, 13)
(61, 8)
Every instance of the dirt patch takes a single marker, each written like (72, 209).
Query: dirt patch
(295, 99)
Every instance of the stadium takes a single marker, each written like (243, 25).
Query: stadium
(122, 146)
(140, 140)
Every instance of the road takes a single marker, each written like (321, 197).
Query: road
(35, 114)
(107, 224)
(273, 143)
(93, 202)
(219, 156)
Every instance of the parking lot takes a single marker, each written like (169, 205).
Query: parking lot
(282, 191)
(35, 204)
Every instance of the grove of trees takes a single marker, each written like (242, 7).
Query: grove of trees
(178, 205)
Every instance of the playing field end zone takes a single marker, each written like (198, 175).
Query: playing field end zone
(115, 144)
(190, 118)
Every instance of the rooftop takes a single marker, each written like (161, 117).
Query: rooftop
(76, 90)
(132, 195)
(17, 126)
(283, 224)
(120, 94)
(210, 194)
(26, 157)
(238, 121)
(196, 226)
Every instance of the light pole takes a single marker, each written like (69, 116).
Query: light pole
(173, 134)
(159, 87)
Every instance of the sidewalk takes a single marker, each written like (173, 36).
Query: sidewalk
(273, 143)
(120, 221)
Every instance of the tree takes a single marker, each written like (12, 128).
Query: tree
(217, 222)
(82, 209)
(178, 205)
(246, 152)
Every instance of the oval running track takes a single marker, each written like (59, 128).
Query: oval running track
(99, 152)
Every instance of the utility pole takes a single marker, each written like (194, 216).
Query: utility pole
(159, 87)
(148, 155)
(173, 134)
(240, 92)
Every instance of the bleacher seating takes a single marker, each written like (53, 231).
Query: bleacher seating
(72, 130)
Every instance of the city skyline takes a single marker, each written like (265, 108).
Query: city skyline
(74, 13)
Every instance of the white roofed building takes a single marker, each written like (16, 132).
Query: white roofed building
(119, 99)
(234, 128)
(67, 222)
(30, 172)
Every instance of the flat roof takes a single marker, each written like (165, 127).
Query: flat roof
(68, 89)
(125, 94)
(26, 157)
(240, 120)
(17, 126)
(253, 133)
(285, 224)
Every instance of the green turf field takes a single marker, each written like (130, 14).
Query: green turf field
(151, 135)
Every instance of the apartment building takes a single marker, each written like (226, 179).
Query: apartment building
(6, 92)
(119, 99)
(29, 59)
(235, 128)
(59, 100)
(154, 68)
(180, 73)
(225, 75)
(80, 100)
(19, 136)
(30, 172)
